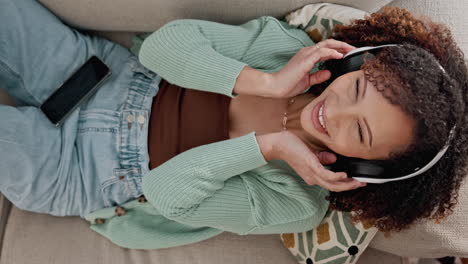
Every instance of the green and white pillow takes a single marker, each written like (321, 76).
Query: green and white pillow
(319, 19)
(337, 240)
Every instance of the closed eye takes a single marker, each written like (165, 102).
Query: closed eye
(357, 88)
(361, 138)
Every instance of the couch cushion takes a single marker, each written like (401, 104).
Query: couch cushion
(428, 239)
(453, 13)
(32, 238)
(38, 238)
(149, 15)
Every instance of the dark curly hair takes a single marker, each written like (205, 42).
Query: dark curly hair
(409, 76)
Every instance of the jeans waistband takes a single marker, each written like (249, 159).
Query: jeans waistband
(135, 113)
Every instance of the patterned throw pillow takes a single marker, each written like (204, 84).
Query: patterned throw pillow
(337, 240)
(318, 20)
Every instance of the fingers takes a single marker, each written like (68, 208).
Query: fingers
(330, 176)
(344, 185)
(327, 49)
(323, 54)
(339, 46)
(318, 171)
(333, 181)
(319, 77)
(307, 163)
(337, 181)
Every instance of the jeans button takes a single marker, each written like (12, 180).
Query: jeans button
(141, 121)
(130, 119)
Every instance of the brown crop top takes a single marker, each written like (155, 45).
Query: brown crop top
(182, 119)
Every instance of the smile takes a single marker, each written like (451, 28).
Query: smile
(318, 118)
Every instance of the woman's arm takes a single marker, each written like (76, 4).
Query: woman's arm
(199, 54)
(213, 186)
(210, 56)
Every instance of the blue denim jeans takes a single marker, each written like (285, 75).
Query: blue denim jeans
(97, 158)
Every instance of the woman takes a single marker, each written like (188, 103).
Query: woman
(239, 184)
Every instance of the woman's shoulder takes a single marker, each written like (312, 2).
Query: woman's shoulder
(292, 31)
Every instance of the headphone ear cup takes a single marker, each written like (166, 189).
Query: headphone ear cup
(356, 167)
(346, 65)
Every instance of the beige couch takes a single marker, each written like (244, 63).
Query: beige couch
(37, 238)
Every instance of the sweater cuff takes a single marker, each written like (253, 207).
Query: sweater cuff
(216, 73)
(231, 157)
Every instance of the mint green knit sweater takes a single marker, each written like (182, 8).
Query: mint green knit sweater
(227, 185)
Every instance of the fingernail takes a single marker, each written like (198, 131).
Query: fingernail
(363, 184)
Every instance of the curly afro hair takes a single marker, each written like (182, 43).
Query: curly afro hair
(410, 76)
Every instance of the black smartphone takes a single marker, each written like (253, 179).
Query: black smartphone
(75, 90)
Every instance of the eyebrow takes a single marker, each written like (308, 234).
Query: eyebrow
(365, 120)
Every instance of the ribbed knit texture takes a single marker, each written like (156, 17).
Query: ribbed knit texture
(227, 185)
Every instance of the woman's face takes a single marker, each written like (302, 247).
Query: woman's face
(359, 121)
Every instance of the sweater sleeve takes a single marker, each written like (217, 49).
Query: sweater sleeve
(214, 186)
(199, 54)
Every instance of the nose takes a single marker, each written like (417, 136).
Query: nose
(340, 115)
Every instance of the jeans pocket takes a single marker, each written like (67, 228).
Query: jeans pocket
(98, 145)
(122, 187)
(131, 177)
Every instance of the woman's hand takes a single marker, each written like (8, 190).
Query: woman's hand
(305, 161)
(295, 77)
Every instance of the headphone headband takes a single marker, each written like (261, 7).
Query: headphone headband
(369, 48)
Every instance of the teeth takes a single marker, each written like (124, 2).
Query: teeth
(321, 121)
(321, 117)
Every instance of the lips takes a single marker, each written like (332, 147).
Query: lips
(315, 118)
